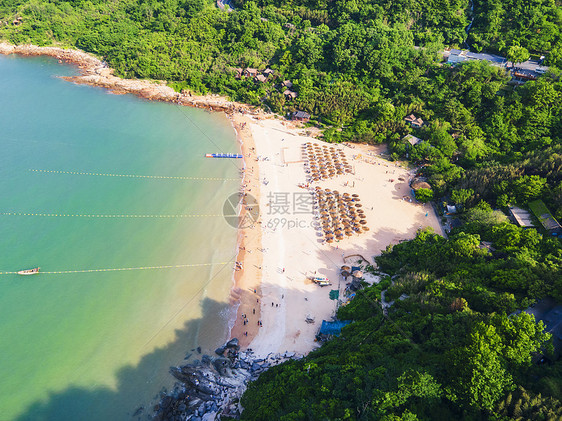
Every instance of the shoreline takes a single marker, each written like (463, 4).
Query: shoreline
(272, 150)
(247, 280)
(95, 72)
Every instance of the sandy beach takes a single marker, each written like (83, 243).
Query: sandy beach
(279, 249)
(294, 249)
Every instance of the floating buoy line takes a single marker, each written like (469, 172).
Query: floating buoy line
(60, 215)
(70, 215)
(122, 269)
(161, 177)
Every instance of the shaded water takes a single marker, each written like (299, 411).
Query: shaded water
(99, 344)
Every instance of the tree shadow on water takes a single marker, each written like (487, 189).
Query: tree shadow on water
(103, 403)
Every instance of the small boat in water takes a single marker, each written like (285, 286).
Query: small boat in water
(224, 155)
(29, 271)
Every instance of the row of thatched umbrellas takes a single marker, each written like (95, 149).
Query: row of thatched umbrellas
(323, 162)
(340, 215)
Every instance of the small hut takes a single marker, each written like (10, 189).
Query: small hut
(287, 84)
(300, 116)
(289, 95)
(249, 72)
(414, 121)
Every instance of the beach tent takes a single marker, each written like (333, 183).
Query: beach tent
(333, 328)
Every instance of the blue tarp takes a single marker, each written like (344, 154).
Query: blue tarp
(333, 328)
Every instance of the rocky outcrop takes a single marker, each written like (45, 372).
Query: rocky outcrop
(211, 389)
(95, 72)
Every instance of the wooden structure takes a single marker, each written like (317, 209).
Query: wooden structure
(411, 139)
(300, 116)
(289, 95)
(249, 72)
(414, 121)
(521, 217)
(287, 84)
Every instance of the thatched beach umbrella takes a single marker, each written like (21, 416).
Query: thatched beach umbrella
(363, 222)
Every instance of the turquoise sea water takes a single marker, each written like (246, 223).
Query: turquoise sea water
(98, 345)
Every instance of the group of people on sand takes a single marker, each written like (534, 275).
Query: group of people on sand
(246, 320)
(239, 266)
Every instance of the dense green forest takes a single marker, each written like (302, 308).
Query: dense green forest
(450, 350)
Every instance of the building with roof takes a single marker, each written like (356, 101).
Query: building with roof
(249, 72)
(455, 56)
(414, 121)
(261, 78)
(544, 216)
(412, 140)
(521, 217)
(528, 70)
(300, 116)
(289, 95)
(287, 84)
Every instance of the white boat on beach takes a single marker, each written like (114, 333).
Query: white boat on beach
(29, 271)
(320, 280)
